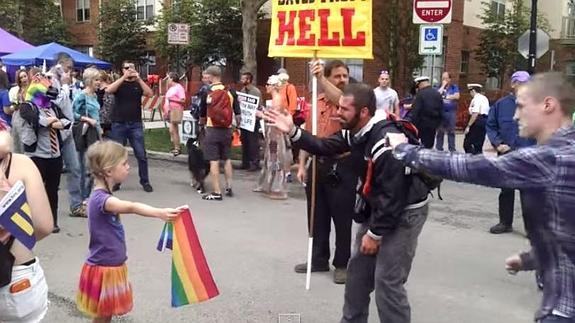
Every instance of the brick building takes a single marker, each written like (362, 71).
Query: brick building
(461, 38)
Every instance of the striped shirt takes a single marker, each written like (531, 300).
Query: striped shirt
(549, 171)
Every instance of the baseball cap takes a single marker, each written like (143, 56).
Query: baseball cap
(474, 86)
(520, 77)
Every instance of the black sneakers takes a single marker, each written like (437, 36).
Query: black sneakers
(213, 197)
(302, 268)
(500, 228)
(147, 187)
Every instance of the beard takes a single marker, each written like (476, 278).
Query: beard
(351, 124)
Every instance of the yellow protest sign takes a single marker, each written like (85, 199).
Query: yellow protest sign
(335, 28)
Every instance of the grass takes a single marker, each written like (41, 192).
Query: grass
(159, 140)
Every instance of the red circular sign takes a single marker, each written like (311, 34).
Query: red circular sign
(432, 10)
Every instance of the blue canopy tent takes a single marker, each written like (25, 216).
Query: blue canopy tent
(45, 54)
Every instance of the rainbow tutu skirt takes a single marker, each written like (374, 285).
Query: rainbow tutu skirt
(104, 291)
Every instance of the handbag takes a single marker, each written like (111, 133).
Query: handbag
(84, 134)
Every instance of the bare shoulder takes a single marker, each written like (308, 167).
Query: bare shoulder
(22, 167)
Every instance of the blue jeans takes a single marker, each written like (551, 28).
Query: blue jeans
(86, 180)
(448, 125)
(72, 161)
(557, 319)
(134, 133)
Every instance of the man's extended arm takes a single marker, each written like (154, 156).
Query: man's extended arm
(333, 145)
(526, 168)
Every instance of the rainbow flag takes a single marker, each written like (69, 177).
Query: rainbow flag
(15, 215)
(192, 281)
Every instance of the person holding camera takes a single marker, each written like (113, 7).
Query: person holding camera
(127, 117)
(335, 192)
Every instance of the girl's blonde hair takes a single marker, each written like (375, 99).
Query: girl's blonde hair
(90, 74)
(104, 155)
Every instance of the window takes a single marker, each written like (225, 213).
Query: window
(464, 61)
(149, 66)
(570, 71)
(82, 10)
(145, 9)
(355, 68)
(498, 8)
(571, 8)
(434, 65)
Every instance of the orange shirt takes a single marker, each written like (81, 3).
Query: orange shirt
(327, 119)
(289, 97)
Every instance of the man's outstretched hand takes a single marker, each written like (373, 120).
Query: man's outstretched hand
(282, 122)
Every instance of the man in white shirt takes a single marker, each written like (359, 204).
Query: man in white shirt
(387, 100)
(478, 111)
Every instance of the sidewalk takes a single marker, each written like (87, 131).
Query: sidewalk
(158, 123)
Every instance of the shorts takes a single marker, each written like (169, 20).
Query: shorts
(175, 116)
(217, 143)
(29, 304)
(104, 291)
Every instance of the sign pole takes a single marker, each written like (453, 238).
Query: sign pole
(533, 38)
(432, 68)
(313, 176)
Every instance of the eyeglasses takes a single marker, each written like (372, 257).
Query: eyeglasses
(384, 72)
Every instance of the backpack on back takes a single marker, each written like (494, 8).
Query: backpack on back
(219, 108)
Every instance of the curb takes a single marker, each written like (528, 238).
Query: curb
(168, 157)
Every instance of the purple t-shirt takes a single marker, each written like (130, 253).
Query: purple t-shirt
(107, 238)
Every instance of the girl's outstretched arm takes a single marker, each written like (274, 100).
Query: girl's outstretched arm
(117, 206)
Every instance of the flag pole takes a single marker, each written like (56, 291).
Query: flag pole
(313, 177)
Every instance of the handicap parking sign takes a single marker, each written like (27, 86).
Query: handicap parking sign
(430, 39)
(430, 34)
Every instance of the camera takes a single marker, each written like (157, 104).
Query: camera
(52, 93)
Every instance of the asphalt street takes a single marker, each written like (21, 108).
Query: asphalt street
(252, 244)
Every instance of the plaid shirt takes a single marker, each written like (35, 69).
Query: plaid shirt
(547, 173)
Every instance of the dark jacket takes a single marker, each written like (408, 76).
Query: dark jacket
(428, 109)
(391, 189)
(501, 128)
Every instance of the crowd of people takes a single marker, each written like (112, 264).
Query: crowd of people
(374, 164)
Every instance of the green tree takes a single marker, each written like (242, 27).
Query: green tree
(36, 21)
(398, 47)
(215, 33)
(497, 50)
(249, 11)
(120, 36)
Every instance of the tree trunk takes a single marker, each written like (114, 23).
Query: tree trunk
(250, 32)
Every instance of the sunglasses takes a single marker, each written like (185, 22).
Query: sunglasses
(384, 72)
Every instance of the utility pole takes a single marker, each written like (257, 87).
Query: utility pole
(533, 38)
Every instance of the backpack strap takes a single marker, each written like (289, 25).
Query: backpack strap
(7, 171)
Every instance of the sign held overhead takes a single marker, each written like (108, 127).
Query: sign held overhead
(432, 11)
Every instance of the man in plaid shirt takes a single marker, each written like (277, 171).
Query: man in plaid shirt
(546, 172)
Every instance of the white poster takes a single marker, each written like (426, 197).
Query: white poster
(249, 106)
(188, 128)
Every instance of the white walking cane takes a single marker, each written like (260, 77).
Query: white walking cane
(313, 177)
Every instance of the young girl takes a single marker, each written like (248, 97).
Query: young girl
(104, 290)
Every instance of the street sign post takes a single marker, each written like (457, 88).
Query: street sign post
(542, 43)
(178, 34)
(430, 39)
(432, 11)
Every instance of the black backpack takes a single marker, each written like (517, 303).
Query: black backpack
(410, 131)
